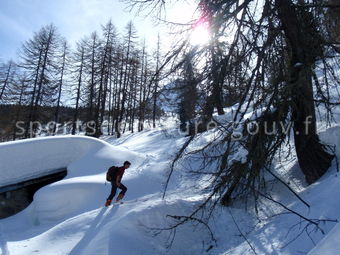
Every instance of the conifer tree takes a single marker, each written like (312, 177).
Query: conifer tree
(277, 55)
(38, 62)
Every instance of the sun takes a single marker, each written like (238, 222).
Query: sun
(200, 34)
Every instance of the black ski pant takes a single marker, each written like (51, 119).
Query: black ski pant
(114, 190)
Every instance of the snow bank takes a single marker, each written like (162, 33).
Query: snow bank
(83, 188)
(86, 160)
(26, 159)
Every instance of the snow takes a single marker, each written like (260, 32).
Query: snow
(330, 245)
(27, 159)
(68, 217)
(298, 64)
(332, 137)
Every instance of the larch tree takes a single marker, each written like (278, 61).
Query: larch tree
(106, 61)
(38, 61)
(93, 68)
(7, 73)
(78, 74)
(20, 100)
(276, 54)
(188, 95)
(129, 42)
(62, 71)
(156, 83)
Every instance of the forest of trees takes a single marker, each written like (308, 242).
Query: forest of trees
(278, 59)
(108, 78)
(278, 63)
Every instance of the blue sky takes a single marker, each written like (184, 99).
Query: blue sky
(19, 19)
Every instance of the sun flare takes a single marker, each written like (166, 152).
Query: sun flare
(200, 35)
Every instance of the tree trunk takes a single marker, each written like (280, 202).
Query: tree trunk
(76, 112)
(56, 118)
(218, 79)
(19, 106)
(119, 94)
(155, 94)
(6, 79)
(89, 130)
(313, 159)
(110, 99)
(36, 77)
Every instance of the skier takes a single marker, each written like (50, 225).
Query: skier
(116, 177)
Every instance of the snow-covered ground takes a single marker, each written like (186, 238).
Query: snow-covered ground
(69, 217)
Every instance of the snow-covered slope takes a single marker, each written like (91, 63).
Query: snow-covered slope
(330, 245)
(68, 217)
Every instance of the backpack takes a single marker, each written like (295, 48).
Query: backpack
(111, 172)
